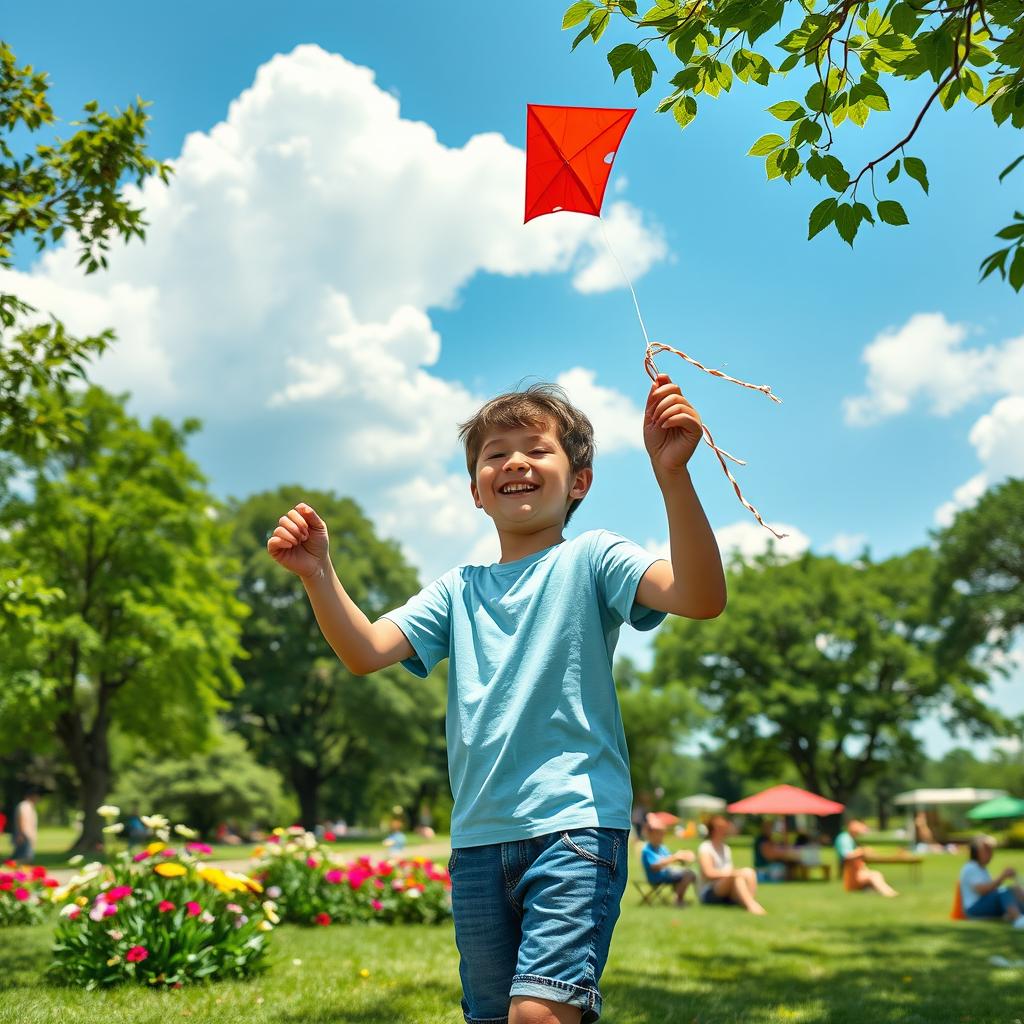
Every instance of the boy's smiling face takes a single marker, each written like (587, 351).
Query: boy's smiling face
(523, 479)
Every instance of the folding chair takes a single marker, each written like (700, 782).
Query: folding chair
(652, 895)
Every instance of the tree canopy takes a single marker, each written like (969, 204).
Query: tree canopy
(843, 56)
(300, 709)
(67, 186)
(823, 664)
(125, 549)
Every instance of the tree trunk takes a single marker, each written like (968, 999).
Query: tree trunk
(307, 788)
(92, 792)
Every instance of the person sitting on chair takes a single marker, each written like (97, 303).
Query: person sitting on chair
(985, 896)
(853, 869)
(661, 866)
(772, 859)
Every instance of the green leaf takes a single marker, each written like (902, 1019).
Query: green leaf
(836, 174)
(904, 19)
(766, 144)
(821, 216)
(685, 110)
(916, 169)
(891, 212)
(1010, 167)
(773, 165)
(847, 223)
(870, 93)
(598, 23)
(576, 13)
(894, 172)
(1017, 269)
(643, 72)
(859, 113)
(994, 261)
(787, 110)
(1011, 231)
(789, 63)
(621, 57)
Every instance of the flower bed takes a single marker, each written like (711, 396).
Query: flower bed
(160, 917)
(316, 886)
(25, 894)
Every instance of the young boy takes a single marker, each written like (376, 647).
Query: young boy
(536, 752)
(660, 865)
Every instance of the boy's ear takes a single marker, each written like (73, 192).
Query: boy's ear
(475, 493)
(580, 486)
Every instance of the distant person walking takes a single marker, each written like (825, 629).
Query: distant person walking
(26, 828)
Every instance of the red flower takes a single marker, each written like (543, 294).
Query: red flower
(136, 954)
(164, 906)
(330, 837)
(193, 908)
(39, 872)
(323, 919)
(118, 893)
(6, 884)
(21, 895)
(74, 912)
(51, 883)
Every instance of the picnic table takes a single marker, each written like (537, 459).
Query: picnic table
(900, 857)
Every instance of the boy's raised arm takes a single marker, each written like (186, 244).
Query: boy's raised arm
(300, 544)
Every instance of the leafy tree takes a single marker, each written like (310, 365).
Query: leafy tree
(221, 783)
(823, 665)
(71, 185)
(140, 625)
(656, 720)
(979, 586)
(301, 710)
(846, 54)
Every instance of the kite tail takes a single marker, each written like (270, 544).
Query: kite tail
(652, 372)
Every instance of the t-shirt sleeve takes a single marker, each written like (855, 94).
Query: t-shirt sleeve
(425, 619)
(844, 845)
(619, 565)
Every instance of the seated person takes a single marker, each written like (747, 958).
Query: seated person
(720, 882)
(853, 869)
(661, 866)
(395, 838)
(984, 896)
(771, 859)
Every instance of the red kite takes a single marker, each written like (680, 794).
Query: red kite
(569, 156)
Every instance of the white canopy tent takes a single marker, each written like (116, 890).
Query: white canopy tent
(701, 803)
(915, 800)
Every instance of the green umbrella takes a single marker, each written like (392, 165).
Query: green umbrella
(1000, 807)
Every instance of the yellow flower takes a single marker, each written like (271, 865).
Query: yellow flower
(155, 848)
(259, 851)
(113, 960)
(253, 886)
(82, 901)
(265, 926)
(168, 869)
(279, 831)
(364, 973)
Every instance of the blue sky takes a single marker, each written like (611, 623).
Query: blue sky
(288, 226)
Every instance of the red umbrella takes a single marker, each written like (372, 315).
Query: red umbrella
(785, 800)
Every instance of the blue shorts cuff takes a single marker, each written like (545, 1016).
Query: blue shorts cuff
(586, 998)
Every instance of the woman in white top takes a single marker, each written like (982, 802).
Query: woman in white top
(720, 882)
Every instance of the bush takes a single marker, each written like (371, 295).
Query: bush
(160, 917)
(317, 886)
(25, 894)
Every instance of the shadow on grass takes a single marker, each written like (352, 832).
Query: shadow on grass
(948, 980)
(401, 1003)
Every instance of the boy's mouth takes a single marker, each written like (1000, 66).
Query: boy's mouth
(516, 490)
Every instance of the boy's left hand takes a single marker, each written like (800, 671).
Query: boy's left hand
(672, 427)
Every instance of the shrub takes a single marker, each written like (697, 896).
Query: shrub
(160, 917)
(316, 886)
(24, 894)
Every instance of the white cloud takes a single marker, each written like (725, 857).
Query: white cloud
(847, 545)
(925, 359)
(284, 289)
(748, 540)
(636, 245)
(618, 421)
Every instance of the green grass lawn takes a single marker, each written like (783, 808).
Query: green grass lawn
(821, 955)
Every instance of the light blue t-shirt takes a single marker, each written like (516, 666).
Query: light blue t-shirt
(845, 844)
(972, 874)
(535, 740)
(649, 856)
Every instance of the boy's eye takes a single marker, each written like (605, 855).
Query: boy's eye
(501, 455)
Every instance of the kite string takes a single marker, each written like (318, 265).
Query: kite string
(652, 371)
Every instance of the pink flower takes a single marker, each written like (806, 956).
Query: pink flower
(397, 885)
(233, 908)
(21, 895)
(311, 862)
(96, 914)
(109, 909)
(140, 856)
(334, 876)
(74, 912)
(378, 883)
(199, 848)
(136, 954)
(193, 908)
(357, 876)
(168, 853)
(164, 906)
(376, 904)
(118, 893)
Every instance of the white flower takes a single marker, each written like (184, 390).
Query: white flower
(108, 811)
(62, 894)
(68, 908)
(296, 830)
(77, 859)
(155, 821)
(184, 830)
(116, 935)
(296, 962)
(118, 826)
(274, 891)
(413, 894)
(97, 912)
(206, 917)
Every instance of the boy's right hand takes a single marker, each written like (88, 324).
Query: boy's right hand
(300, 543)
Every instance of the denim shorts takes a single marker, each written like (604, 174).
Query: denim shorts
(993, 904)
(534, 917)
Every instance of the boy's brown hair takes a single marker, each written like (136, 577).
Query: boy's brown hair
(537, 406)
